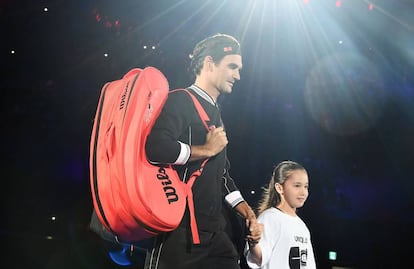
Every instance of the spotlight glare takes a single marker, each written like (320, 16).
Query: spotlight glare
(45, 9)
(371, 6)
(338, 3)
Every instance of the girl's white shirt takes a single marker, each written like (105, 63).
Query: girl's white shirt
(285, 242)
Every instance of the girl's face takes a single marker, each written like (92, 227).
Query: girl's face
(294, 191)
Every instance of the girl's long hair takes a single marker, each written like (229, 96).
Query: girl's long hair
(270, 197)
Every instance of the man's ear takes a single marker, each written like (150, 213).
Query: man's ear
(208, 62)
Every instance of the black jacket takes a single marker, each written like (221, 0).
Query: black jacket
(179, 121)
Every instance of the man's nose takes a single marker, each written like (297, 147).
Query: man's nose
(236, 75)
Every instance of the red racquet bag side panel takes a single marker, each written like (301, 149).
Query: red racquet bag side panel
(132, 198)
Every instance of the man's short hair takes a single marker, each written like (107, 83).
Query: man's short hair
(216, 46)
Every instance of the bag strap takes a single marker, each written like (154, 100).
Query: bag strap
(193, 221)
(201, 112)
(204, 118)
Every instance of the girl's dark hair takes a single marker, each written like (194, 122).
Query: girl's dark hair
(280, 173)
(216, 46)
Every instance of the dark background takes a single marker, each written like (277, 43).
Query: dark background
(327, 84)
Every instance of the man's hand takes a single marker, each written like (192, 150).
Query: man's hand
(255, 230)
(216, 140)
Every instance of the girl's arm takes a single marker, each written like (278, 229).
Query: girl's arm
(254, 253)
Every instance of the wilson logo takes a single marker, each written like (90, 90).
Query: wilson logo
(169, 190)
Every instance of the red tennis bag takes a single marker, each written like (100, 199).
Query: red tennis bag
(134, 199)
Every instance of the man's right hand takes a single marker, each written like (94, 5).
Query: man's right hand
(216, 140)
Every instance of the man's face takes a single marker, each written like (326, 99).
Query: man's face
(226, 73)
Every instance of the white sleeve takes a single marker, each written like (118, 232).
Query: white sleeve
(270, 236)
(234, 198)
(249, 259)
(311, 264)
(185, 153)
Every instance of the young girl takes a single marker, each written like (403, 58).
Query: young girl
(285, 242)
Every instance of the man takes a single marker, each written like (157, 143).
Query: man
(179, 138)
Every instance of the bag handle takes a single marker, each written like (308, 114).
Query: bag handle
(132, 72)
